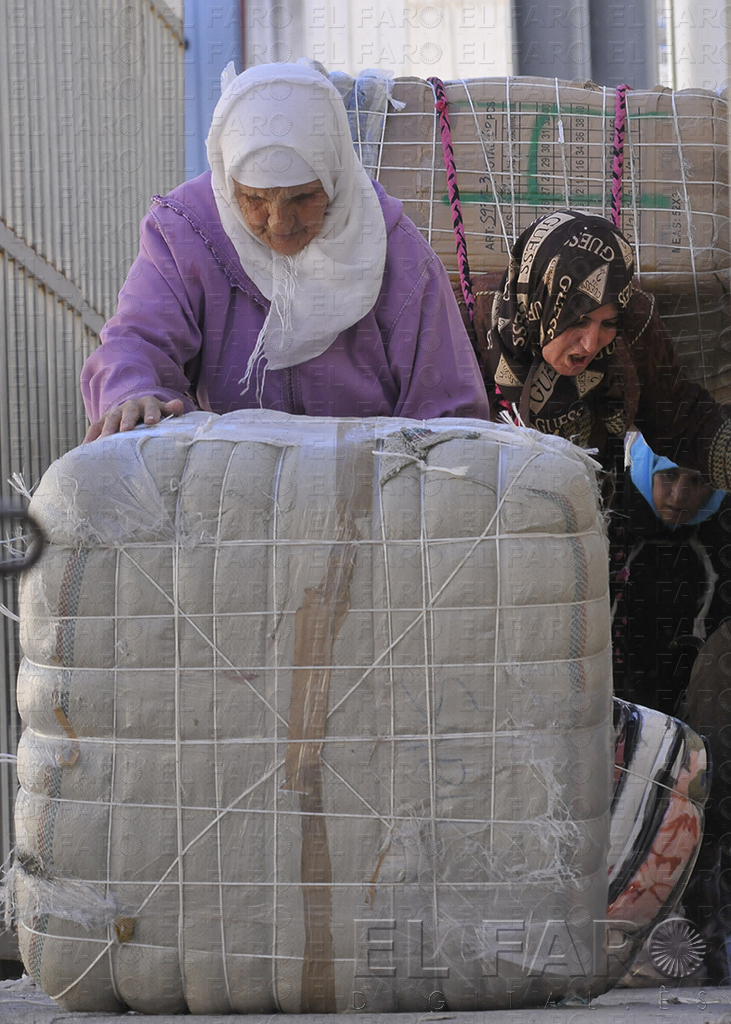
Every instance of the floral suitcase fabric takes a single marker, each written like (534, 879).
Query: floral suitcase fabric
(661, 782)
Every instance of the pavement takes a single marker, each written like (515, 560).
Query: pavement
(22, 1002)
(643, 996)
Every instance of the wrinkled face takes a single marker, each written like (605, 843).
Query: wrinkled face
(285, 219)
(678, 494)
(571, 351)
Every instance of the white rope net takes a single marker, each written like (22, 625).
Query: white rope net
(524, 147)
(289, 681)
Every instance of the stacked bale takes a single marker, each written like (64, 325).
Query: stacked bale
(526, 146)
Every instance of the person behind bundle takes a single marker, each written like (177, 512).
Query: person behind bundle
(583, 354)
(284, 279)
(670, 544)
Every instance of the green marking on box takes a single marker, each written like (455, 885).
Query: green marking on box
(532, 196)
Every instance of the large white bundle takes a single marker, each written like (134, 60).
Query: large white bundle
(310, 705)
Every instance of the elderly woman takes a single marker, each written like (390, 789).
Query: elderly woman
(583, 354)
(284, 279)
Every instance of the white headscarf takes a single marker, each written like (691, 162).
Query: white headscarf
(273, 123)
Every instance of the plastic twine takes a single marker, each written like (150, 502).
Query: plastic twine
(465, 280)
(620, 122)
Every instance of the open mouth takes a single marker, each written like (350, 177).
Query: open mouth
(579, 361)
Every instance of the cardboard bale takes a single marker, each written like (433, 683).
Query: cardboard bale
(700, 323)
(524, 147)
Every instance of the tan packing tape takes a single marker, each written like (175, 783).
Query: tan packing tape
(318, 621)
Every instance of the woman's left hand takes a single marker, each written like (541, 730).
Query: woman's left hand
(147, 410)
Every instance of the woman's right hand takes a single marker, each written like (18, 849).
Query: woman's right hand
(147, 410)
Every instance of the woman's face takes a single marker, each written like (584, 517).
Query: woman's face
(679, 494)
(571, 351)
(285, 219)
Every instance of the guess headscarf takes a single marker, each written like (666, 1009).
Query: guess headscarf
(565, 265)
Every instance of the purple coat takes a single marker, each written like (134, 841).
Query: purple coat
(188, 319)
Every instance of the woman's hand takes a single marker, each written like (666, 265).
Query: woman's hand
(147, 410)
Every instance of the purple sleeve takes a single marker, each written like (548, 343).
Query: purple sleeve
(429, 351)
(153, 334)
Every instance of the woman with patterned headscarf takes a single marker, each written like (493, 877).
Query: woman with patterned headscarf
(582, 352)
(282, 279)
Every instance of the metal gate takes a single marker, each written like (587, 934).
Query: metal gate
(91, 125)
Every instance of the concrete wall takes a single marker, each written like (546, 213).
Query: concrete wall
(701, 50)
(448, 38)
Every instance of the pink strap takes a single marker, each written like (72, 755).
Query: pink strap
(465, 279)
(620, 122)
